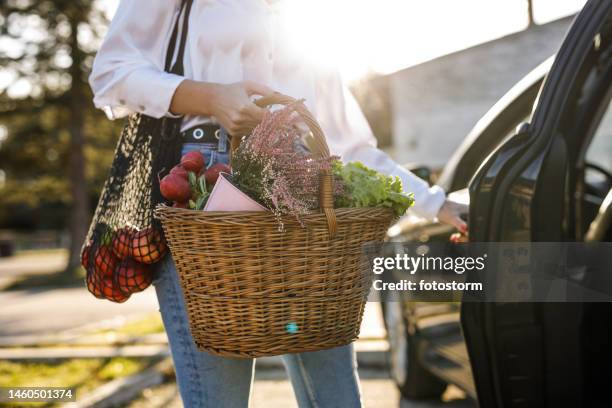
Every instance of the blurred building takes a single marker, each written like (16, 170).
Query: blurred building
(435, 104)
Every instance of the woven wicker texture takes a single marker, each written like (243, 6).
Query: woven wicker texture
(252, 290)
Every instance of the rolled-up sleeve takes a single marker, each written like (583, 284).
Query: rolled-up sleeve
(349, 136)
(128, 74)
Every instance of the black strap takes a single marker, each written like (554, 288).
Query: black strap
(178, 66)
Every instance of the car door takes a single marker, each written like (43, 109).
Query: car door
(529, 354)
(432, 328)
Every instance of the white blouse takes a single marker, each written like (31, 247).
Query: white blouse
(230, 41)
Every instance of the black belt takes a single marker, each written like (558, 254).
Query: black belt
(201, 134)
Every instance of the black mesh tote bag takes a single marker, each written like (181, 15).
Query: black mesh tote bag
(124, 239)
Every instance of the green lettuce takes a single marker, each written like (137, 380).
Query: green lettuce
(364, 187)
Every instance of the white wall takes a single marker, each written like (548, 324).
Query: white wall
(435, 104)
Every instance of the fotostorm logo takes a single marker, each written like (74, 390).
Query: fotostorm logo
(422, 262)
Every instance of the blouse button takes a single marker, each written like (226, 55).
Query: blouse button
(270, 56)
(122, 101)
(142, 107)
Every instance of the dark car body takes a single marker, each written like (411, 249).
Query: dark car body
(535, 168)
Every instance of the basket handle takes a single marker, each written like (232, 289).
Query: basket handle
(319, 149)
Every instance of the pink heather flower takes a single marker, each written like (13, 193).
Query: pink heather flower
(274, 165)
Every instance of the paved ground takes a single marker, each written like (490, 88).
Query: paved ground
(36, 311)
(33, 263)
(45, 311)
(272, 389)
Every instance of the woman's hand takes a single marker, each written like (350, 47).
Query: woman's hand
(233, 108)
(229, 104)
(450, 213)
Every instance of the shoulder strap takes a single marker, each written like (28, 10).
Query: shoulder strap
(178, 66)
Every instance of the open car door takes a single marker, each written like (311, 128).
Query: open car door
(531, 354)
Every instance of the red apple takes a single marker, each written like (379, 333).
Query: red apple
(112, 292)
(133, 276)
(94, 285)
(148, 246)
(193, 161)
(212, 173)
(85, 255)
(180, 171)
(105, 261)
(122, 241)
(175, 188)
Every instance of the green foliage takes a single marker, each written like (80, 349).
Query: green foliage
(199, 190)
(119, 367)
(37, 119)
(151, 324)
(83, 374)
(247, 172)
(364, 187)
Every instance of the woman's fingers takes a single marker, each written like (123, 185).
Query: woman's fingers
(245, 120)
(254, 113)
(450, 213)
(458, 238)
(253, 88)
(458, 223)
(454, 220)
(235, 110)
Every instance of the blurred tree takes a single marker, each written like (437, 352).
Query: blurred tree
(46, 51)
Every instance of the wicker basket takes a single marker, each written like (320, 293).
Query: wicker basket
(252, 291)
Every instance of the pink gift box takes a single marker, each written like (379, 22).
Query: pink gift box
(227, 197)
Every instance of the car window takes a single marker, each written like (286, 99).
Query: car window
(599, 152)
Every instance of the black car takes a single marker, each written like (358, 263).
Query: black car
(537, 167)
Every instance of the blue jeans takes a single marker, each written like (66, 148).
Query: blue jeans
(210, 151)
(323, 379)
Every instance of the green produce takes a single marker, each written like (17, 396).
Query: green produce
(364, 187)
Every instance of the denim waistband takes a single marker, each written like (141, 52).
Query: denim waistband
(210, 136)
